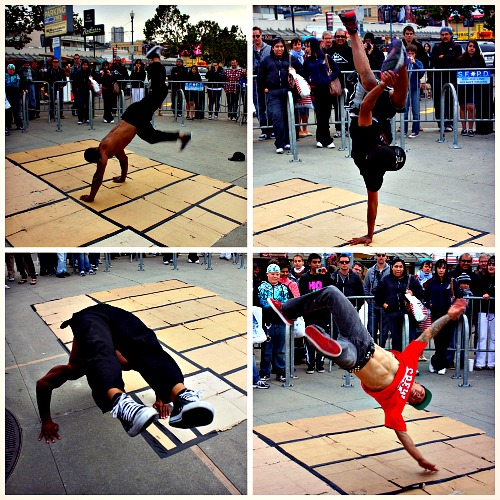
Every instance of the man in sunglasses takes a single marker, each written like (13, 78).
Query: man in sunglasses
(342, 55)
(377, 320)
(465, 266)
(260, 51)
(387, 376)
(372, 106)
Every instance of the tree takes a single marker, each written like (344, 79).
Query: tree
(167, 27)
(22, 20)
(426, 13)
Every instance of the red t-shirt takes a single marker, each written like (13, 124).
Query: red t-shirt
(393, 398)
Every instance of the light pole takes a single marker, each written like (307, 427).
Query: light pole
(132, 51)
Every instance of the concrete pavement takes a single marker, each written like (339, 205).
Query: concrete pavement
(213, 143)
(94, 455)
(451, 185)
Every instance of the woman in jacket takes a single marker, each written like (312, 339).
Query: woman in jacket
(273, 78)
(316, 71)
(215, 78)
(81, 89)
(138, 76)
(107, 78)
(469, 94)
(193, 97)
(486, 320)
(390, 295)
(440, 292)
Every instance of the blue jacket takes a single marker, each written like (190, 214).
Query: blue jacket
(279, 292)
(415, 75)
(316, 71)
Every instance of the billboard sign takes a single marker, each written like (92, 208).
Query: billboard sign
(88, 18)
(58, 20)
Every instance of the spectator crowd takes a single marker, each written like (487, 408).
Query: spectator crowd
(80, 81)
(380, 293)
(320, 61)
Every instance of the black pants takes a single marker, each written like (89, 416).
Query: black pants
(140, 117)
(25, 265)
(232, 104)
(100, 330)
(354, 337)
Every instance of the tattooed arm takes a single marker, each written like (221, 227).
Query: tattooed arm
(454, 312)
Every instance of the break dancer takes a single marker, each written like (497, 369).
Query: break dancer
(387, 376)
(106, 341)
(136, 120)
(373, 104)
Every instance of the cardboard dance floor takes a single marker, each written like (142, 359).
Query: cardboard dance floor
(157, 205)
(354, 454)
(296, 210)
(203, 332)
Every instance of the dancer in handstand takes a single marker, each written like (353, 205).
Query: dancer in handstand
(387, 376)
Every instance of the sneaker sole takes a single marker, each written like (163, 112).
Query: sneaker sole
(142, 426)
(279, 313)
(388, 65)
(193, 415)
(327, 346)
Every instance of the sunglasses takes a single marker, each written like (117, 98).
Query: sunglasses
(466, 260)
(491, 264)
(381, 255)
(255, 36)
(344, 262)
(340, 36)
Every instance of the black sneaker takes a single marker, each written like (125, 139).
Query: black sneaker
(134, 417)
(349, 21)
(185, 139)
(189, 411)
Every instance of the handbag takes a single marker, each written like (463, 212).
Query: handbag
(335, 87)
(94, 86)
(418, 309)
(299, 327)
(116, 88)
(258, 333)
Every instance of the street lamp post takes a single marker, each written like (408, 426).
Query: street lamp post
(132, 51)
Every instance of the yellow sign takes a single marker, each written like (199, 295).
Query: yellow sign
(58, 20)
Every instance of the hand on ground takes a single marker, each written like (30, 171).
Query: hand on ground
(363, 240)
(49, 431)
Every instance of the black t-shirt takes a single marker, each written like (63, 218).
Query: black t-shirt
(364, 139)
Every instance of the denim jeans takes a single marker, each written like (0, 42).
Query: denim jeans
(61, 263)
(396, 320)
(259, 101)
(83, 262)
(214, 97)
(413, 100)
(378, 322)
(255, 377)
(277, 111)
(273, 351)
(345, 315)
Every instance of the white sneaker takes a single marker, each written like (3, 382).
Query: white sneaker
(262, 137)
(82, 273)
(442, 371)
(287, 147)
(431, 368)
(319, 145)
(331, 145)
(189, 411)
(280, 151)
(134, 417)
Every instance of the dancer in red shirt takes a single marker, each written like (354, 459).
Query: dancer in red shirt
(387, 376)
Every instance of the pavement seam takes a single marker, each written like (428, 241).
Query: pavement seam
(35, 361)
(215, 470)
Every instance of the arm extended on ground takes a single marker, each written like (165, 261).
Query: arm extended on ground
(123, 159)
(55, 378)
(371, 216)
(454, 312)
(97, 179)
(410, 447)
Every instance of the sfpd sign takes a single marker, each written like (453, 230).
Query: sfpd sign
(475, 76)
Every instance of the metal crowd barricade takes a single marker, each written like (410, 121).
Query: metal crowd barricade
(451, 88)
(180, 93)
(24, 110)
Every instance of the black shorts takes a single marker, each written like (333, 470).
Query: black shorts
(137, 115)
(364, 139)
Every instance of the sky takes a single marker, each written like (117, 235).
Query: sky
(119, 15)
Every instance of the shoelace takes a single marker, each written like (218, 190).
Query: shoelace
(125, 409)
(191, 395)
